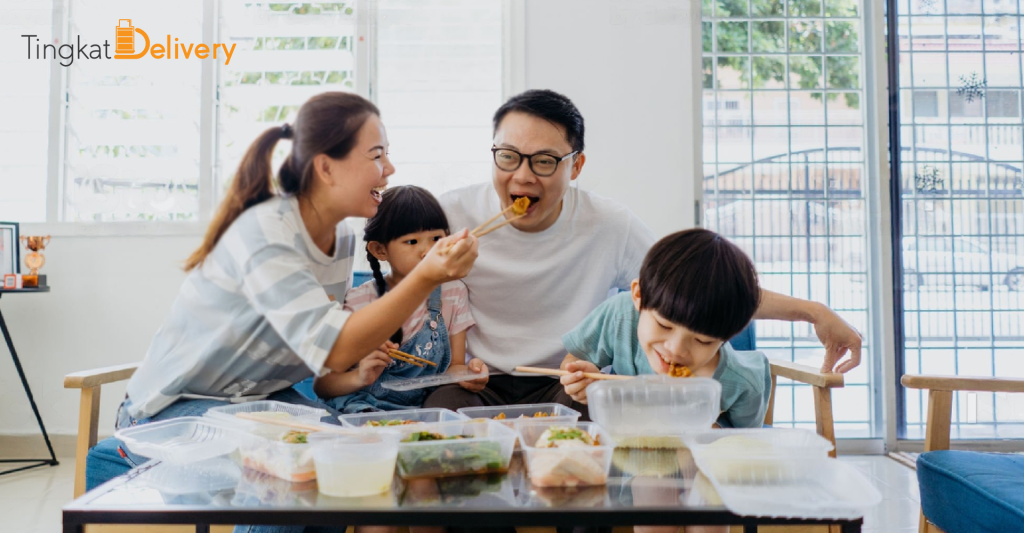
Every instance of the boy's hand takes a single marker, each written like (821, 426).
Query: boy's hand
(575, 384)
(475, 365)
(372, 366)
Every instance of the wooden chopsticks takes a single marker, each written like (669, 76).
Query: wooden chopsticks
(294, 424)
(553, 372)
(519, 206)
(410, 358)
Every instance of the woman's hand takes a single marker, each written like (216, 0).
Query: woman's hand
(575, 384)
(450, 258)
(475, 365)
(372, 366)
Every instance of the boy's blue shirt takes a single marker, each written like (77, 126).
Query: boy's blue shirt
(608, 337)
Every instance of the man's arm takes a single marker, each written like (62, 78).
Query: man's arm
(838, 337)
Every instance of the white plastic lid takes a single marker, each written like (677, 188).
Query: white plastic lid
(655, 405)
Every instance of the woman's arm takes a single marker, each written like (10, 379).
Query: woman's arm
(337, 384)
(368, 328)
(838, 337)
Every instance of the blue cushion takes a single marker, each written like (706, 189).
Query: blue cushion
(972, 492)
(746, 340)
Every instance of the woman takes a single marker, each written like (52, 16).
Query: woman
(261, 307)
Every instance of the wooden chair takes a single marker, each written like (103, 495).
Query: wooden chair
(940, 404)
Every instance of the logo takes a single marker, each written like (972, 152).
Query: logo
(125, 47)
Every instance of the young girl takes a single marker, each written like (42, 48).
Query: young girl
(408, 223)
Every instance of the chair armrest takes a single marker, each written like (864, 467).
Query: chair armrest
(100, 376)
(966, 383)
(806, 374)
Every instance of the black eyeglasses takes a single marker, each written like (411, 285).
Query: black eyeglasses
(542, 165)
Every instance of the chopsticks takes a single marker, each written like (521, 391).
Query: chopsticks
(294, 424)
(518, 208)
(410, 358)
(553, 372)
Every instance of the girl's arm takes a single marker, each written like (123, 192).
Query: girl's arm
(342, 383)
(368, 328)
(458, 344)
(337, 384)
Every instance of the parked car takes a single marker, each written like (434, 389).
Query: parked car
(935, 260)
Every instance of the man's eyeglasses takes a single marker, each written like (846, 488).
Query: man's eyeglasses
(542, 165)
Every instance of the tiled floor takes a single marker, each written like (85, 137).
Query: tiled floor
(30, 501)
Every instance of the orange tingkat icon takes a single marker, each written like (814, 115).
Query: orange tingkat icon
(124, 44)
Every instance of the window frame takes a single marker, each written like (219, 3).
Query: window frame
(513, 81)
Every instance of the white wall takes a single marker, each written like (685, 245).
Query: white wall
(109, 296)
(628, 67)
(625, 65)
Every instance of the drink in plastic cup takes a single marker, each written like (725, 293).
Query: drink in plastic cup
(358, 464)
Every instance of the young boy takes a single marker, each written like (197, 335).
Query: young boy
(696, 290)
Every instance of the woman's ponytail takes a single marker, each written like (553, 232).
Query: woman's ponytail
(252, 185)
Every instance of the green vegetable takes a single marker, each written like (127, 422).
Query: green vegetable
(450, 459)
(566, 434)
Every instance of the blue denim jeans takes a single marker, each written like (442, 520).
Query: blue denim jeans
(110, 458)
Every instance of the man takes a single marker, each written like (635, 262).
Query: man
(536, 280)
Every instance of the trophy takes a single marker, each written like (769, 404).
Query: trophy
(34, 260)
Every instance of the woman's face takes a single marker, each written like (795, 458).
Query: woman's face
(354, 183)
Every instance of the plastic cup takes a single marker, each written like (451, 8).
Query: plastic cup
(361, 464)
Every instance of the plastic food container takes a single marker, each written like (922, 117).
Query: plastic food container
(267, 452)
(349, 466)
(556, 413)
(486, 447)
(818, 487)
(415, 415)
(184, 440)
(654, 411)
(762, 444)
(268, 408)
(211, 475)
(256, 488)
(567, 466)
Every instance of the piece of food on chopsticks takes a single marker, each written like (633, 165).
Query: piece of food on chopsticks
(519, 210)
(520, 206)
(679, 371)
(564, 459)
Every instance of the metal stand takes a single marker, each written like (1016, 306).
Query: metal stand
(52, 461)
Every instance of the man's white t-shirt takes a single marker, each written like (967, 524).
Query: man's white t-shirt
(526, 290)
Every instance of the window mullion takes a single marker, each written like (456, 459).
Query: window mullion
(57, 121)
(207, 118)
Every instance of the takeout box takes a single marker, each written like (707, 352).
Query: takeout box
(566, 466)
(428, 415)
(485, 447)
(182, 440)
(555, 413)
(268, 408)
(654, 411)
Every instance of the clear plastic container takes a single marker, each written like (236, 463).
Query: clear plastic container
(485, 447)
(268, 408)
(267, 452)
(570, 466)
(426, 416)
(184, 440)
(351, 466)
(256, 488)
(210, 475)
(815, 487)
(757, 443)
(653, 411)
(555, 413)
(433, 380)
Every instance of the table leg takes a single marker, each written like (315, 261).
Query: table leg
(73, 528)
(750, 528)
(202, 528)
(851, 527)
(52, 461)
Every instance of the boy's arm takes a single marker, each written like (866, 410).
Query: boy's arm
(575, 384)
(838, 337)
